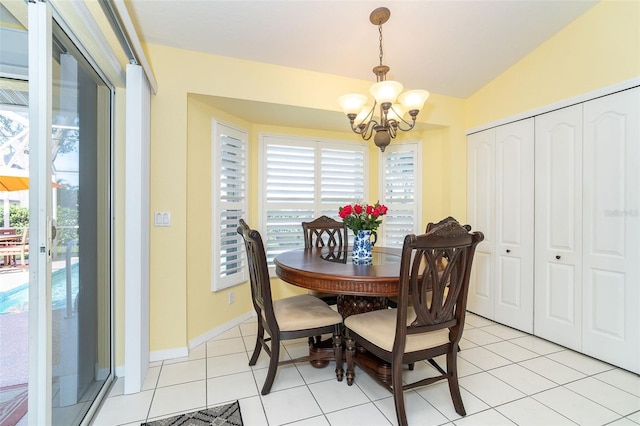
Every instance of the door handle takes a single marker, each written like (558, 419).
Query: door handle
(508, 251)
(558, 257)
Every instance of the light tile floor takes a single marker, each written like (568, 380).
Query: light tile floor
(507, 377)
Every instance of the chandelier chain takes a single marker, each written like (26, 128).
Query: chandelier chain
(381, 52)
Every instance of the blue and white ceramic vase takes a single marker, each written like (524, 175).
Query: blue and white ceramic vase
(362, 245)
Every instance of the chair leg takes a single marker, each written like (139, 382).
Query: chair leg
(337, 352)
(454, 388)
(398, 394)
(273, 364)
(259, 340)
(351, 354)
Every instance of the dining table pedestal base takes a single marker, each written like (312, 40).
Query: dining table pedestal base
(318, 348)
(351, 304)
(369, 361)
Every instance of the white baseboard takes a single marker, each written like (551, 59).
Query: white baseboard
(184, 351)
(120, 370)
(179, 352)
(197, 341)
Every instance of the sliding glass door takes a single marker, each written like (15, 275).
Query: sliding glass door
(81, 314)
(55, 324)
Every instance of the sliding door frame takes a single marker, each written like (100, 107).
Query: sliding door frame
(40, 242)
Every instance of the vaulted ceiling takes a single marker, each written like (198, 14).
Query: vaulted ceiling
(449, 47)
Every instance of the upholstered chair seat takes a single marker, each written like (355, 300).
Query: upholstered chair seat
(304, 311)
(379, 327)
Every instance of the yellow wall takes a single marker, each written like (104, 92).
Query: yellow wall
(182, 306)
(599, 49)
(201, 302)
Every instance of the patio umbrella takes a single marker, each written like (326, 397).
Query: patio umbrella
(13, 183)
(11, 180)
(17, 182)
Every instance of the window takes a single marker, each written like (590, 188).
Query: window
(400, 177)
(302, 179)
(229, 204)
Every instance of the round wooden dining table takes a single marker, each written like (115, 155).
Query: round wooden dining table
(361, 286)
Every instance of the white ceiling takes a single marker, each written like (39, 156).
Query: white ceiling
(450, 47)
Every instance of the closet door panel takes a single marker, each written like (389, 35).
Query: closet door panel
(514, 225)
(611, 255)
(481, 217)
(558, 226)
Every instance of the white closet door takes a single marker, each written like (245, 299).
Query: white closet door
(481, 217)
(513, 237)
(611, 254)
(558, 223)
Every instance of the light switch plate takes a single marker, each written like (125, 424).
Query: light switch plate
(162, 219)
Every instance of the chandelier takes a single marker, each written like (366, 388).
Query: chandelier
(387, 119)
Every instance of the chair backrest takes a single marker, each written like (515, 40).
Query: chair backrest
(436, 296)
(325, 232)
(443, 223)
(258, 272)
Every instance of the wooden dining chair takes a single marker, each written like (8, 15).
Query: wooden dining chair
(429, 319)
(326, 232)
(393, 300)
(289, 318)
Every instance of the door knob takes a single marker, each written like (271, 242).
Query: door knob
(558, 257)
(508, 251)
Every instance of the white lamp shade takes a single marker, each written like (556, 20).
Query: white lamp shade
(363, 114)
(352, 103)
(396, 112)
(386, 91)
(413, 99)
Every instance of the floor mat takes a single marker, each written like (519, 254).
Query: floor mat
(224, 415)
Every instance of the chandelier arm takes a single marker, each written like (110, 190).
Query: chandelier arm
(369, 117)
(398, 123)
(365, 130)
(392, 129)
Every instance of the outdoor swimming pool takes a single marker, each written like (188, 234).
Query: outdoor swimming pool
(17, 299)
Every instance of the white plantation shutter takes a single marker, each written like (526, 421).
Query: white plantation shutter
(400, 178)
(229, 195)
(341, 178)
(302, 179)
(289, 194)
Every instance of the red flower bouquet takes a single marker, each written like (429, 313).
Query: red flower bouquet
(362, 216)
